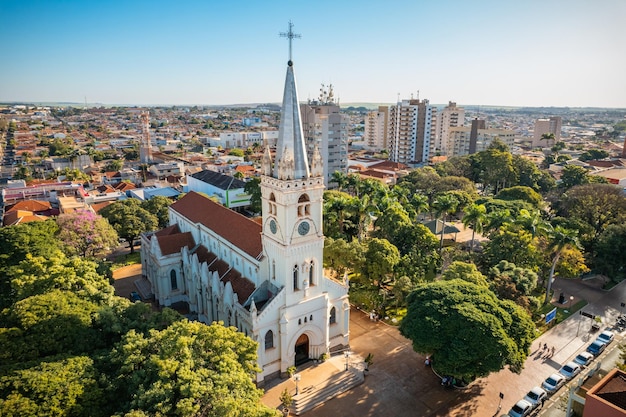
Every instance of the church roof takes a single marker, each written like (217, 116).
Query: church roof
(170, 244)
(290, 136)
(232, 226)
(170, 230)
(221, 181)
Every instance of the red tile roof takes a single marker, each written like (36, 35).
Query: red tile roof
(396, 166)
(99, 206)
(30, 205)
(241, 286)
(170, 230)
(170, 244)
(232, 226)
(123, 186)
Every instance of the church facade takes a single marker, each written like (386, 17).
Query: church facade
(264, 278)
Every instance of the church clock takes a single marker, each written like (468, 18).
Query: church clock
(303, 228)
(273, 226)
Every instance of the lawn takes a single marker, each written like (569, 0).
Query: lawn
(561, 314)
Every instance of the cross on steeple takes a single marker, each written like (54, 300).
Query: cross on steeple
(290, 35)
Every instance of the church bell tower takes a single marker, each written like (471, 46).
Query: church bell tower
(292, 195)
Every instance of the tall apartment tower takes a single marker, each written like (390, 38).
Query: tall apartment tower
(324, 126)
(377, 129)
(544, 126)
(450, 116)
(411, 130)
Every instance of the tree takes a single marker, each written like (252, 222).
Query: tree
(511, 244)
(188, 369)
(236, 152)
(340, 255)
(129, 220)
(63, 387)
(521, 193)
(253, 188)
(466, 272)
(158, 205)
(547, 137)
(86, 234)
(592, 154)
(37, 275)
(466, 329)
(444, 205)
(475, 216)
(610, 251)
(381, 258)
(113, 165)
(597, 205)
(573, 175)
(495, 167)
(560, 238)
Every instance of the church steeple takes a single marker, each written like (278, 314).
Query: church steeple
(291, 159)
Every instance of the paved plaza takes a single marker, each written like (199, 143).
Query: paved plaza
(399, 384)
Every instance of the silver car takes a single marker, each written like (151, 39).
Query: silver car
(553, 383)
(606, 336)
(570, 370)
(584, 358)
(521, 409)
(535, 396)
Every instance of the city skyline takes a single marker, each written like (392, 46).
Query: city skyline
(559, 53)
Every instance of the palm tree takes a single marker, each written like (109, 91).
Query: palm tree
(363, 209)
(496, 219)
(420, 203)
(476, 216)
(533, 223)
(547, 137)
(560, 238)
(444, 204)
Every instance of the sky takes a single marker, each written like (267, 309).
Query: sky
(213, 52)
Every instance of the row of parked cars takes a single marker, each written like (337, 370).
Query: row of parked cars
(538, 395)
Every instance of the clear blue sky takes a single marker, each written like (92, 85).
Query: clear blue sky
(501, 52)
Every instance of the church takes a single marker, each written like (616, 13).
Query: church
(266, 279)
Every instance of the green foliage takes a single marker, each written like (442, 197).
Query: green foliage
(253, 188)
(129, 219)
(158, 205)
(610, 250)
(513, 245)
(342, 256)
(381, 258)
(466, 329)
(592, 154)
(465, 272)
(285, 398)
(65, 387)
(38, 275)
(494, 167)
(189, 369)
(237, 152)
(523, 193)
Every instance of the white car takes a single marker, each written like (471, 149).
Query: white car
(584, 358)
(535, 396)
(553, 383)
(606, 336)
(570, 370)
(521, 409)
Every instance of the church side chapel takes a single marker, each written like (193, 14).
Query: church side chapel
(267, 279)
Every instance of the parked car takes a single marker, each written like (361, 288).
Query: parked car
(521, 409)
(597, 347)
(553, 383)
(535, 396)
(570, 370)
(134, 297)
(606, 336)
(584, 358)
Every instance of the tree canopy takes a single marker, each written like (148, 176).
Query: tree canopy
(86, 234)
(466, 329)
(129, 220)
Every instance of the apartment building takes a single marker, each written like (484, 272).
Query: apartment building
(450, 116)
(545, 126)
(324, 125)
(411, 130)
(376, 129)
(463, 142)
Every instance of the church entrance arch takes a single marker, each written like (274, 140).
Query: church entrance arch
(302, 349)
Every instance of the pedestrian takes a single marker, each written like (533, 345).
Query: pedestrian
(552, 351)
(427, 361)
(543, 401)
(545, 346)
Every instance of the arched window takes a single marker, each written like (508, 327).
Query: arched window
(311, 273)
(295, 278)
(303, 198)
(303, 207)
(269, 339)
(333, 316)
(173, 280)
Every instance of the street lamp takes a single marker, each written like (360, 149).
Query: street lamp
(571, 298)
(347, 354)
(296, 378)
